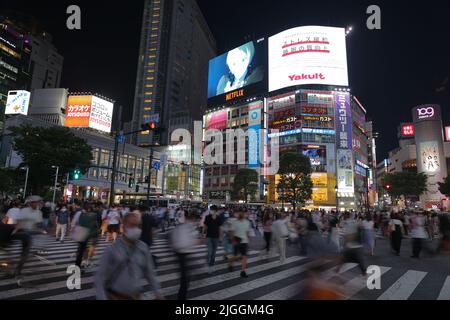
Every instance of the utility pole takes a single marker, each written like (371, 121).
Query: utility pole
(56, 182)
(26, 182)
(150, 167)
(114, 166)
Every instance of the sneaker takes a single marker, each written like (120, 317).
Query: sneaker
(244, 274)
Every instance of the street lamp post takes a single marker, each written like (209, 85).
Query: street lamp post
(26, 182)
(56, 181)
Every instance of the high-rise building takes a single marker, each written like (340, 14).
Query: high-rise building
(15, 56)
(46, 62)
(172, 76)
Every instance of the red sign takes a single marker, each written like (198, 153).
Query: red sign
(447, 133)
(217, 120)
(408, 130)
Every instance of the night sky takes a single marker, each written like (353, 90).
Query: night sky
(390, 70)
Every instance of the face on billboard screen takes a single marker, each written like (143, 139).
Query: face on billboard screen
(308, 55)
(17, 102)
(236, 69)
(429, 153)
(78, 111)
(101, 114)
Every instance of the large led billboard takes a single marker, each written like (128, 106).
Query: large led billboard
(89, 112)
(308, 55)
(233, 73)
(17, 102)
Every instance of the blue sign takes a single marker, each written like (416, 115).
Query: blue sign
(156, 165)
(121, 139)
(163, 159)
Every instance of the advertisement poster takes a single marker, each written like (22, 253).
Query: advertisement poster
(254, 127)
(343, 119)
(429, 152)
(236, 69)
(217, 120)
(89, 112)
(17, 102)
(345, 171)
(101, 114)
(308, 55)
(319, 180)
(78, 111)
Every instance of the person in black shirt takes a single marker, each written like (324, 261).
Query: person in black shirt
(212, 225)
(149, 225)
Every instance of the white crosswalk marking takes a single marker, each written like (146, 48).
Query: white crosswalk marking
(445, 291)
(404, 286)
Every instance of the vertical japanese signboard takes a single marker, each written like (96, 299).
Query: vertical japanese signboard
(254, 127)
(344, 154)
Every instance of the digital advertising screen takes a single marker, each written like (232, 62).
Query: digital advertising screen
(238, 72)
(17, 102)
(89, 112)
(308, 55)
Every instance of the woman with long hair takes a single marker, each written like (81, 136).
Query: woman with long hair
(396, 231)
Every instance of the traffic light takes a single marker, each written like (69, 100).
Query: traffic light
(152, 126)
(131, 182)
(76, 174)
(387, 186)
(146, 179)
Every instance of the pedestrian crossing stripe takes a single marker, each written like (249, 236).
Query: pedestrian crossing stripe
(264, 274)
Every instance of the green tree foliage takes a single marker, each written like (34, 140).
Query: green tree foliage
(444, 187)
(41, 148)
(295, 184)
(405, 184)
(11, 181)
(245, 183)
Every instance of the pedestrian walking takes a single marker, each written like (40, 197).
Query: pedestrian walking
(396, 233)
(114, 219)
(62, 221)
(183, 239)
(240, 233)
(124, 264)
(280, 233)
(212, 224)
(267, 228)
(368, 233)
(418, 233)
(85, 229)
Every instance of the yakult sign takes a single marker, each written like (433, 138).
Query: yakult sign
(307, 55)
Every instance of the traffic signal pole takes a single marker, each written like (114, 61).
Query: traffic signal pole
(150, 167)
(112, 192)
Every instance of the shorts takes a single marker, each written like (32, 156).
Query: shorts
(241, 249)
(113, 228)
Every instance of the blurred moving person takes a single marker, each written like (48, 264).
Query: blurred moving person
(183, 239)
(240, 232)
(124, 264)
(267, 228)
(149, 226)
(13, 212)
(352, 243)
(418, 233)
(368, 233)
(85, 229)
(212, 224)
(396, 233)
(280, 233)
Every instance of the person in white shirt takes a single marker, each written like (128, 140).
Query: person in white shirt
(13, 213)
(368, 233)
(280, 233)
(114, 220)
(240, 231)
(396, 230)
(418, 233)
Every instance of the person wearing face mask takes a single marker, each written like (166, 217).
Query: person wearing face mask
(124, 264)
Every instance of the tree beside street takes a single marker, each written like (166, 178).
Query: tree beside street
(245, 184)
(41, 148)
(444, 187)
(406, 184)
(295, 184)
